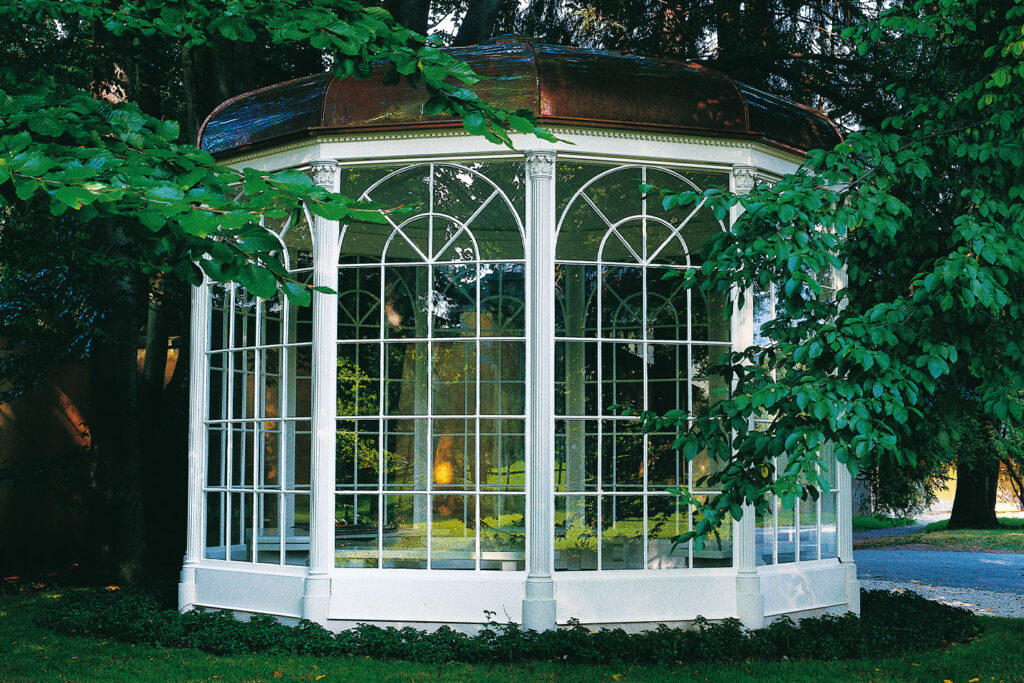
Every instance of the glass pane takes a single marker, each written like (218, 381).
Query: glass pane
(454, 378)
(243, 384)
(219, 318)
(298, 454)
(503, 533)
(405, 531)
(666, 520)
(298, 242)
(240, 538)
(296, 535)
(358, 379)
(358, 303)
(808, 529)
(410, 242)
(217, 403)
(622, 308)
(764, 539)
(575, 533)
(355, 528)
(453, 532)
(268, 529)
(502, 378)
(575, 300)
(408, 187)
(622, 455)
(617, 194)
(300, 330)
(454, 450)
(358, 454)
(272, 314)
(665, 246)
(299, 365)
(717, 550)
(786, 530)
(576, 378)
(363, 243)
(269, 460)
(502, 300)
(829, 536)
(405, 455)
(241, 454)
(271, 376)
(216, 446)
(622, 532)
(580, 234)
(502, 455)
(666, 377)
(244, 319)
(707, 315)
(697, 231)
(622, 380)
(459, 246)
(666, 305)
(454, 301)
(216, 518)
(405, 378)
(706, 388)
(405, 302)
(665, 464)
(576, 455)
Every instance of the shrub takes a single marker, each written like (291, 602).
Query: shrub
(891, 623)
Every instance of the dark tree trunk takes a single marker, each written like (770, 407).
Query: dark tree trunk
(974, 505)
(478, 23)
(412, 14)
(118, 527)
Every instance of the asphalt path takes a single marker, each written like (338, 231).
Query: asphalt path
(1003, 572)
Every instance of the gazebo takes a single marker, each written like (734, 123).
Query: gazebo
(434, 444)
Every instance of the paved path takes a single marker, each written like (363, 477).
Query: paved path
(986, 571)
(985, 583)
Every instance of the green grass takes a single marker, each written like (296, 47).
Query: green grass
(29, 652)
(1008, 538)
(873, 522)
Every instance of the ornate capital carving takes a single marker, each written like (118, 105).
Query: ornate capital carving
(324, 174)
(540, 164)
(744, 179)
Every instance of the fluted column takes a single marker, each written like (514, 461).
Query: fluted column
(749, 600)
(539, 601)
(198, 398)
(844, 511)
(325, 234)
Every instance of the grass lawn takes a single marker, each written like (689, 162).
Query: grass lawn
(1008, 538)
(29, 652)
(873, 522)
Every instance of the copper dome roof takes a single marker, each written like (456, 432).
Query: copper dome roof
(565, 86)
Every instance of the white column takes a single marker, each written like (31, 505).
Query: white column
(198, 398)
(749, 600)
(539, 601)
(317, 591)
(844, 512)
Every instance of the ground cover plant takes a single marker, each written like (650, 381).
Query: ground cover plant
(877, 521)
(1009, 537)
(32, 651)
(891, 623)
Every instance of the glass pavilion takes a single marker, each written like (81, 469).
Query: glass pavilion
(434, 444)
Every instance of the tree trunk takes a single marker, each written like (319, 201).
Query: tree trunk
(412, 14)
(478, 22)
(974, 505)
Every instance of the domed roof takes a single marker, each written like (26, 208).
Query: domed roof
(565, 86)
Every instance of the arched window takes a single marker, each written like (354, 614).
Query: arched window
(258, 417)
(431, 371)
(627, 336)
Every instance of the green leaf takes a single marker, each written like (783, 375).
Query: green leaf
(298, 294)
(475, 123)
(258, 281)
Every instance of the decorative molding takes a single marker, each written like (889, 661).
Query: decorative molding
(634, 136)
(744, 178)
(540, 165)
(325, 173)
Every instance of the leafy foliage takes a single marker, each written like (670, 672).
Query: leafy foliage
(925, 217)
(891, 623)
(106, 160)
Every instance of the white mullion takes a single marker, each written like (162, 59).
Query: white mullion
(478, 380)
(429, 473)
(381, 420)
